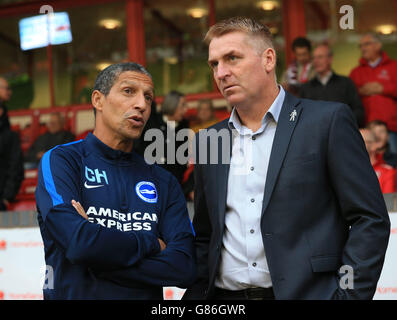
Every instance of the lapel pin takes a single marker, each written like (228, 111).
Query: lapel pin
(293, 115)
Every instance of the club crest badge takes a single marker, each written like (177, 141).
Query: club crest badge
(146, 191)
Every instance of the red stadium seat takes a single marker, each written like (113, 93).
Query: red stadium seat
(27, 189)
(42, 129)
(25, 199)
(16, 128)
(22, 205)
(190, 114)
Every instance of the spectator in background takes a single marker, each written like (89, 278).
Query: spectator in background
(169, 121)
(11, 161)
(386, 174)
(206, 118)
(379, 128)
(300, 70)
(376, 80)
(5, 90)
(327, 85)
(173, 109)
(54, 136)
(154, 122)
(205, 115)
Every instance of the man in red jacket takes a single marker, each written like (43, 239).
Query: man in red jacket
(386, 174)
(376, 80)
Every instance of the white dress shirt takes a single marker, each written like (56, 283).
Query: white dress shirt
(243, 258)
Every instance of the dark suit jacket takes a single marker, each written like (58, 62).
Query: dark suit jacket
(322, 207)
(338, 89)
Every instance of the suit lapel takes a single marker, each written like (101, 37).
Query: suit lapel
(285, 128)
(222, 172)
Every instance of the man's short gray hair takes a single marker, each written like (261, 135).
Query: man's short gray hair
(246, 25)
(374, 36)
(108, 76)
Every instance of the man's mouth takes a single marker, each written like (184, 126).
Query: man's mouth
(230, 86)
(136, 120)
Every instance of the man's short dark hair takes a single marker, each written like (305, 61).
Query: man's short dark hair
(108, 76)
(301, 42)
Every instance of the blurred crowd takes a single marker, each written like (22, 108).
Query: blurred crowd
(370, 91)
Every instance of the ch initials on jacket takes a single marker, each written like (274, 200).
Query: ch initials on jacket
(96, 175)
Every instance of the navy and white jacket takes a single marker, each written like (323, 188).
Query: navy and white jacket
(130, 204)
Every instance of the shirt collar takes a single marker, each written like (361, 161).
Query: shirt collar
(375, 63)
(324, 80)
(273, 112)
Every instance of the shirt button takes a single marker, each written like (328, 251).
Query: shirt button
(252, 230)
(254, 264)
(252, 200)
(252, 168)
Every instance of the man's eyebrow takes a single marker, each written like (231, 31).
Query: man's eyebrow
(132, 82)
(228, 53)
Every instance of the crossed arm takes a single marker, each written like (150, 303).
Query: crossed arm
(173, 266)
(80, 210)
(123, 257)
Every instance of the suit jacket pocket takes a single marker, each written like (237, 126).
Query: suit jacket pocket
(299, 160)
(325, 263)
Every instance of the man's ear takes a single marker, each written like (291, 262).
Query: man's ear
(97, 99)
(269, 59)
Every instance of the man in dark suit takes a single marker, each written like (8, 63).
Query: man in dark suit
(296, 212)
(329, 86)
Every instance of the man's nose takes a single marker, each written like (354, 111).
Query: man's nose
(222, 71)
(140, 101)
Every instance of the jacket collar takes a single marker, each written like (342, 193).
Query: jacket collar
(273, 111)
(98, 147)
(384, 60)
(289, 117)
